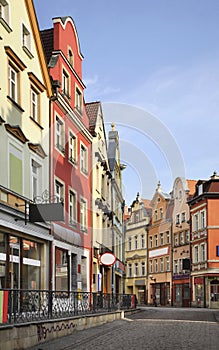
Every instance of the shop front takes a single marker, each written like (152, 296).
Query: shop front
(181, 290)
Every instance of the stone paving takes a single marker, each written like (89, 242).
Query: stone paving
(150, 328)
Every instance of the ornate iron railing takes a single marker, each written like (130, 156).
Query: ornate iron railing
(23, 306)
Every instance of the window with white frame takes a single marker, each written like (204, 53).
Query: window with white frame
(83, 154)
(4, 13)
(183, 216)
(156, 241)
(136, 269)
(83, 214)
(176, 239)
(78, 100)
(181, 235)
(72, 208)
(142, 241)
(196, 254)
(130, 243)
(161, 265)
(72, 148)
(168, 263)
(155, 265)
(167, 237)
(161, 239)
(65, 83)
(187, 236)
(143, 268)
(203, 224)
(136, 242)
(36, 170)
(26, 39)
(151, 242)
(59, 191)
(150, 266)
(130, 270)
(35, 105)
(195, 222)
(60, 134)
(203, 252)
(177, 219)
(70, 57)
(13, 83)
(175, 266)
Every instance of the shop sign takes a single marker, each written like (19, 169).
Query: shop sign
(198, 280)
(108, 259)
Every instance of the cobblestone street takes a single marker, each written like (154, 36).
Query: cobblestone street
(150, 328)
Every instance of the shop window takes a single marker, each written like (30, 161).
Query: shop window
(31, 265)
(61, 270)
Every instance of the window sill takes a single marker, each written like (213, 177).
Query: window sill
(27, 51)
(73, 161)
(15, 104)
(36, 123)
(5, 25)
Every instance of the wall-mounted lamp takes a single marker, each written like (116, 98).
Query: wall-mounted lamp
(152, 278)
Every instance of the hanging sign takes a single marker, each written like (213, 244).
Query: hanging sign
(108, 259)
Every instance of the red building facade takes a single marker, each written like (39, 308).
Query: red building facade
(70, 142)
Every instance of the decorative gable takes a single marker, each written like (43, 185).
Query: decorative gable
(38, 149)
(16, 132)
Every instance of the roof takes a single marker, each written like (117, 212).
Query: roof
(92, 111)
(47, 40)
(191, 186)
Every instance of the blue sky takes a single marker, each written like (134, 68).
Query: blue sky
(154, 64)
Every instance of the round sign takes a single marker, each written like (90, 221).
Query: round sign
(108, 259)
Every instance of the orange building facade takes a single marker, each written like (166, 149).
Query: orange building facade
(204, 225)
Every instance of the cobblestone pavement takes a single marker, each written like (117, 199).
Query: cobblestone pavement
(151, 329)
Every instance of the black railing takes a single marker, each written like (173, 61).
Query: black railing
(23, 306)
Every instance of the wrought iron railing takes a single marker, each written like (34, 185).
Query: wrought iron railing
(21, 306)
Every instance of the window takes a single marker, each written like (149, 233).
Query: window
(203, 219)
(142, 241)
(83, 214)
(59, 129)
(136, 242)
(16, 167)
(36, 178)
(196, 255)
(13, 83)
(195, 222)
(71, 57)
(61, 269)
(175, 266)
(180, 195)
(150, 242)
(137, 217)
(176, 239)
(4, 14)
(65, 83)
(161, 239)
(59, 191)
(72, 148)
(130, 270)
(83, 159)
(78, 100)
(181, 237)
(136, 269)
(177, 219)
(155, 265)
(167, 237)
(161, 213)
(183, 217)
(130, 243)
(167, 263)
(187, 236)
(34, 105)
(26, 40)
(155, 215)
(72, 208)
(203, 255)
(155, 240)
(161, 265)
(150, 266)
(143, 268)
